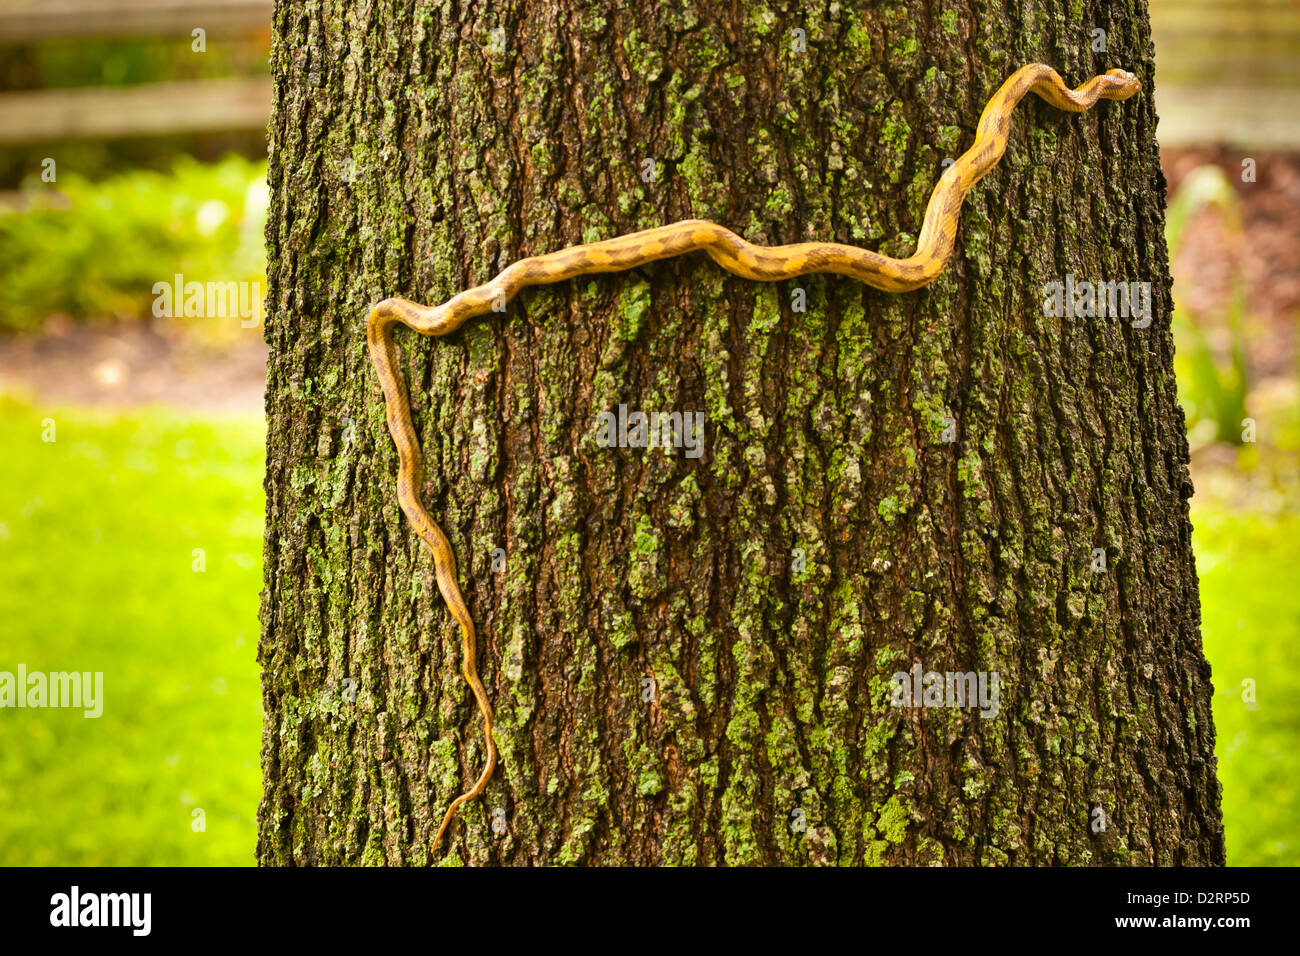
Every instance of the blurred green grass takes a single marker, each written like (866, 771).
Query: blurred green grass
(97, 534)
(1250, 613)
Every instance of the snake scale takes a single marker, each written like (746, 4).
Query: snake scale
(762, 263)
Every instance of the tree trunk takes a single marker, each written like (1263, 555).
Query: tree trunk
(692, 659)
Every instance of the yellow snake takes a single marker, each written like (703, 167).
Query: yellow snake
(761, 263)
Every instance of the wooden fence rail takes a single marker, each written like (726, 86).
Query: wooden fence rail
(198, 106)
(28, 21)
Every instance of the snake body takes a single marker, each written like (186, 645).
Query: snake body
(761, 263)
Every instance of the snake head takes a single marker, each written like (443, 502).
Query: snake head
(1122, 85)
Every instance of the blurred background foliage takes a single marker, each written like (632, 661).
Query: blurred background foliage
(131, 543)
(198, 219)
(98, 529)
(1212, 390)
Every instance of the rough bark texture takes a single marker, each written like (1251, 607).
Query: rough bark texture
(416, 152)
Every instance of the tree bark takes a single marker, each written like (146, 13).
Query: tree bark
(692, 659)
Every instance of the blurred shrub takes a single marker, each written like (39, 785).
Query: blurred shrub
(1212, 387)
(95, 249)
